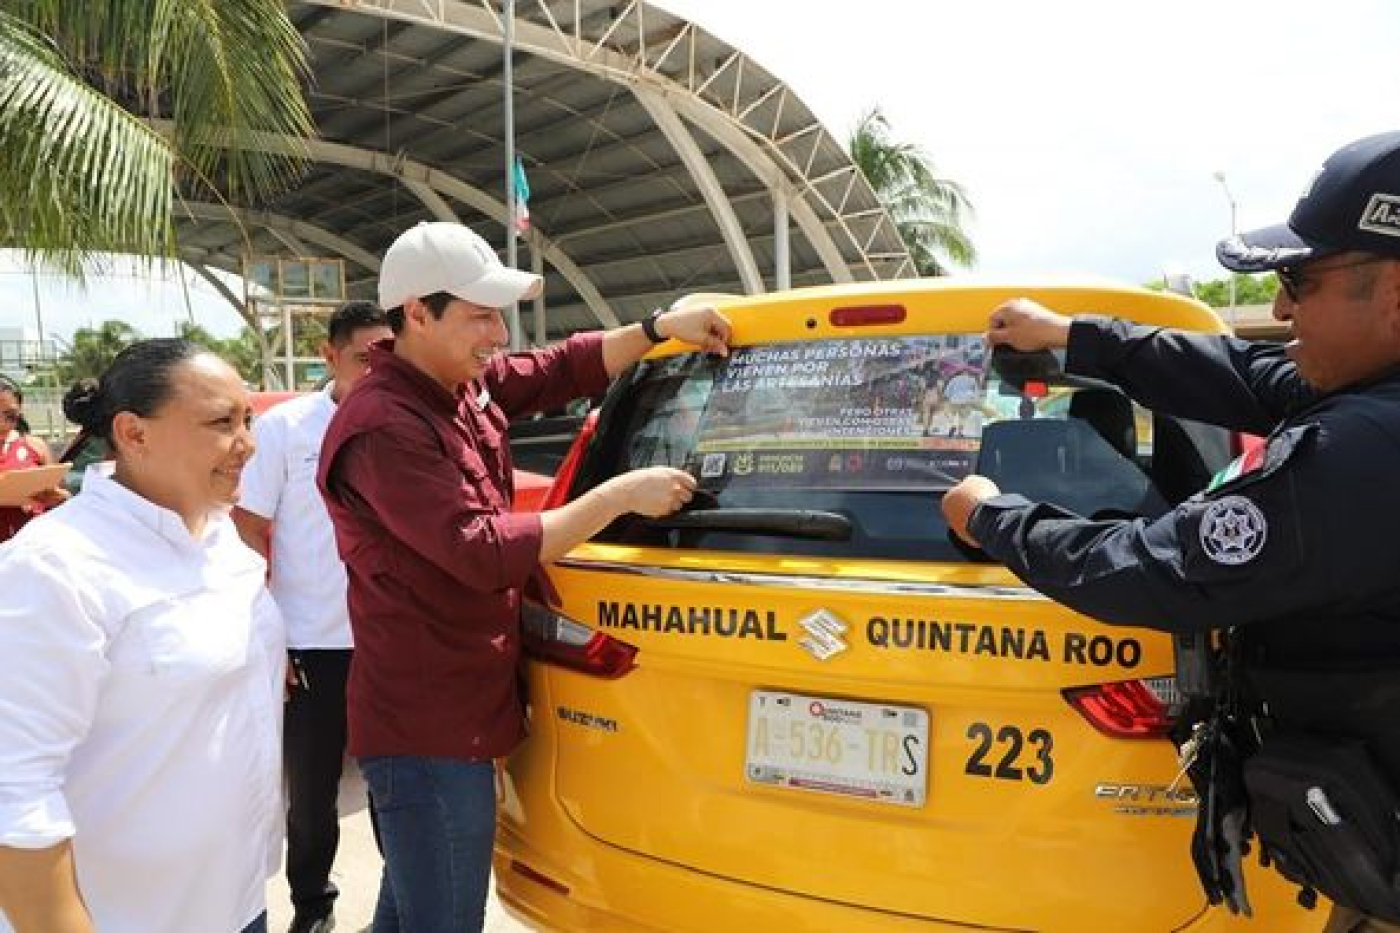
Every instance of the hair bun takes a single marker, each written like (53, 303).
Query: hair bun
(81, 403)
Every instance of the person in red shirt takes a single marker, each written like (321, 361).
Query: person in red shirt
(416, 472)
(20, 450)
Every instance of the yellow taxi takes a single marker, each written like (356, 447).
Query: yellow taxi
(799, 705)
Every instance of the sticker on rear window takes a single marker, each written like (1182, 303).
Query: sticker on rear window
(873, 413)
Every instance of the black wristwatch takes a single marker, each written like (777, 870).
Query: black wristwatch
(649, 326)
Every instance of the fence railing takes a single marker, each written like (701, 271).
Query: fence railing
(43, 409)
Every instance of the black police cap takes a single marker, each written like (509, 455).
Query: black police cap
(1353, 204)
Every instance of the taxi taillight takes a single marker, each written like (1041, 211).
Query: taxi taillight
(867, 315)
(548, 636)
(1128, 709)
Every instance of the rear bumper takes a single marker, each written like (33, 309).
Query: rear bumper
(660, 896)
(611, 889)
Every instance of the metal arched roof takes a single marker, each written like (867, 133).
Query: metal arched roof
(661, 160)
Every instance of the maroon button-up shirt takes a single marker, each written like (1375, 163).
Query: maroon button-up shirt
(418, 484)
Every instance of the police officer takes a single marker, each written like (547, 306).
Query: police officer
(1294, 547)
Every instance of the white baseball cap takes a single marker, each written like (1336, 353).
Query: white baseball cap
(447, 257)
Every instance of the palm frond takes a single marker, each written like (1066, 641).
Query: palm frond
(234, 69)
(929, 211)
(82, 172)
(217, 69)
(931, 242)
(78, 174)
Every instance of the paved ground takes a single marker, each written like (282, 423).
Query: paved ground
(356, 873)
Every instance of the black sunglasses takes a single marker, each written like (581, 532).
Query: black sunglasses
(1291, 278)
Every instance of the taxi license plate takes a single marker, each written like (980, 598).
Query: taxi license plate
(870, 750)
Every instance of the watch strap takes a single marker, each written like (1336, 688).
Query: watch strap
(649, 327)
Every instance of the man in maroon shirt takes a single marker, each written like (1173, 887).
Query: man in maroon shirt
(416, 473)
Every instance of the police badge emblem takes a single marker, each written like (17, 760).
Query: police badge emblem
(1233, 531)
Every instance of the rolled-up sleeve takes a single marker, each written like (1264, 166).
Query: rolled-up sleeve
(550, 378)
(54, 664)
(400, 478)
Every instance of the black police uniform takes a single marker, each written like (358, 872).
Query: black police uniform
(1300, 549)
(1305, 544)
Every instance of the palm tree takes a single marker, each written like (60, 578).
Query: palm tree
(81, 172)
(93, 350)
(241, 352)
(929, 211)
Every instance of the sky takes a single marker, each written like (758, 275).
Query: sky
(1087, 133)
(150, 299)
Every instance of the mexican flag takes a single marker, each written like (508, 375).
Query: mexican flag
(522, 196)
(1248, 462)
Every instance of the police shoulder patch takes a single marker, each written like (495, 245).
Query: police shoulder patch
(1233, 531)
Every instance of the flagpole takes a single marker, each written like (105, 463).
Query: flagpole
(508, 81)
(38, 305)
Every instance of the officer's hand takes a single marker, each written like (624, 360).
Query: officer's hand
(655, 491)
(1027, 325)
(960, 501)
(700, 325)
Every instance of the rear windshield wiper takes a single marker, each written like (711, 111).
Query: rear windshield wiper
(788, 523)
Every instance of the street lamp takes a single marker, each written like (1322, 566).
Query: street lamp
(1220, 177)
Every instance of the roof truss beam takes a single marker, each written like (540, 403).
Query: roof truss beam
(758, 152)
(407, 170)
(710, 188)
(276, 224)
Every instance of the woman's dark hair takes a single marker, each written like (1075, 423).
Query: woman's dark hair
(9, 385)
(437, 303)
(77, 402)
(138, 381)
(77, 399)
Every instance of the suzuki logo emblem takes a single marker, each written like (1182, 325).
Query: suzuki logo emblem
(824, 630)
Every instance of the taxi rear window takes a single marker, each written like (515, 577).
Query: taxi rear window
(876, 430)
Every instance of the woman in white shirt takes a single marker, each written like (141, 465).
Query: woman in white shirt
(141, 673)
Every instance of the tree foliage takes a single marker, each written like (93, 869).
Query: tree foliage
(929, 211)
(240, 352)
(1249, 290)
(93, 349)
(82, 172)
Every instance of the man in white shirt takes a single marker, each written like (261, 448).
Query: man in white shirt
(307, 579)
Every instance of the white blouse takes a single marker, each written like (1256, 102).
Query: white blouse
(141, 709)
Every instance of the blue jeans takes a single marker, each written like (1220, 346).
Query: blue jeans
(257, 926)
(437, 822)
